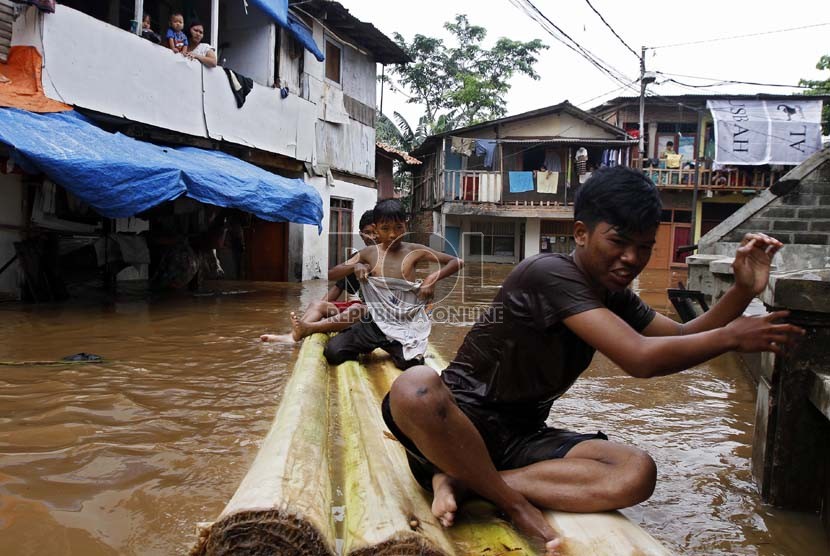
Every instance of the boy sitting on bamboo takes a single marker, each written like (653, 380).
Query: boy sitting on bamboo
(396, 320)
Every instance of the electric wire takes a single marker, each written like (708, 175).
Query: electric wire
(704, 41)
(557, 33)
(625, 44)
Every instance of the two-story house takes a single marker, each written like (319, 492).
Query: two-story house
(308, 117)
(503, 190)
(727, 148)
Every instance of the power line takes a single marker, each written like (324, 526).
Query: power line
(552, 29)
(740, 36)
(625, 44)
(720, 82)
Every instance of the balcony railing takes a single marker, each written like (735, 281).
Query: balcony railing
(471, 185)
(729, 178)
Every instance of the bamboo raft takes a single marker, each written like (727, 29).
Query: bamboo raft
(329, 479)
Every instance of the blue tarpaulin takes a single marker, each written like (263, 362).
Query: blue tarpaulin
(304, 36)
(278, 11)
(120, 176)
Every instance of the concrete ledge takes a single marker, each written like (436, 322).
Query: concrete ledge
(802, 290)
(820, 392)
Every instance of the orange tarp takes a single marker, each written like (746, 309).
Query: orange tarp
(22, 87)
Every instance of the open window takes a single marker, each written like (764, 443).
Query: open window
(333, 61)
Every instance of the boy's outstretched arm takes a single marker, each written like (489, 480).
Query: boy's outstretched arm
(646, 356)
(751, 268)
(449, 266)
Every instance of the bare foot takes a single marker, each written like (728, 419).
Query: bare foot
(298, 327)
(530, 521)
(287, 338)
(444, 502)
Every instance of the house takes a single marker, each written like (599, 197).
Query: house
(730, 147)
(503, 190)
(309, 116)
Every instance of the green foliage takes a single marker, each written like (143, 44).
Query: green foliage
(819, 87)
(463, 84)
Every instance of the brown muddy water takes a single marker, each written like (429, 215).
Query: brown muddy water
(126, 456)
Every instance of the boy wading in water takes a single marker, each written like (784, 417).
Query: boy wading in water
(396, 320)
(480, 425)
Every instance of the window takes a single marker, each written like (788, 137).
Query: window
(332, 62)
(340, 231)
(492, 239)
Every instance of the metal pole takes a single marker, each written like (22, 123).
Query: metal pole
(642, 102)
(139, 16)
(214, 26)
(382, 77)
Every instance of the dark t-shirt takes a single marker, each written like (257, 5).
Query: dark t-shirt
(519, 357)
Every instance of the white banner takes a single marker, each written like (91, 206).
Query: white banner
(766, 131)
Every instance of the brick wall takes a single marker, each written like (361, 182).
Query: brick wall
(800, 217)
(420, 226)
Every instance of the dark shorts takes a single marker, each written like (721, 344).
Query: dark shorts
(508, 448)
(364, 337)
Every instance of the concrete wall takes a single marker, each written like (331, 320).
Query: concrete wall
(799, 219)
(11, 214)
(533, 234)
(313, 247)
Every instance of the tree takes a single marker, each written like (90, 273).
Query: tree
(820, 88)
(463, 84)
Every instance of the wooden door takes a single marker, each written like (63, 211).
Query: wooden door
(662, 253)
(682, 235)
(266, 252)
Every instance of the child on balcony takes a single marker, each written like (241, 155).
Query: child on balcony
(175, 37)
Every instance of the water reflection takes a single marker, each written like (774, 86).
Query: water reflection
(125, 457)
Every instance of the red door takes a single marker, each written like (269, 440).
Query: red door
(266, 251)
(682, 236)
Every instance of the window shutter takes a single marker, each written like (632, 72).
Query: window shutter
(6, 21)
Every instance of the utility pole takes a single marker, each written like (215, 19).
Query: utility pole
(645, 79)
(642, 103)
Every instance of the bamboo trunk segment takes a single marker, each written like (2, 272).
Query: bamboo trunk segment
(283, 505)
(387, 513)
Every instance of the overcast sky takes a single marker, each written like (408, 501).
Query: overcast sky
(780, 58)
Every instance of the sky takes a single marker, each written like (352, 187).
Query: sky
(779, 58)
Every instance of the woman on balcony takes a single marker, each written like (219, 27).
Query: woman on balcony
(198, 50)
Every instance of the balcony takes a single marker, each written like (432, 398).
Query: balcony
(733, 178)
(93, 65)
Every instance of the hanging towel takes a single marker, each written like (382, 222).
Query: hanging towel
(240, 86)
(520, 181)
(547, 182)
(487, 149)
(400, 314)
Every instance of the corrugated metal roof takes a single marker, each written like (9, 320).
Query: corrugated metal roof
(337, 18)
(397, 154)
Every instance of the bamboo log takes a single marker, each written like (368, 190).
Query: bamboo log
(387, 513)
(603, 534)
(283, 505)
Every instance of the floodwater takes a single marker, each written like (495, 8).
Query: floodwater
(128, 455)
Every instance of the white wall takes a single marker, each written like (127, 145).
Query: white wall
(252, 38)
(533, 233)
(316, 247)
(11, 199)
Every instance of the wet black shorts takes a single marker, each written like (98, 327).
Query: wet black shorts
(508, 448)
